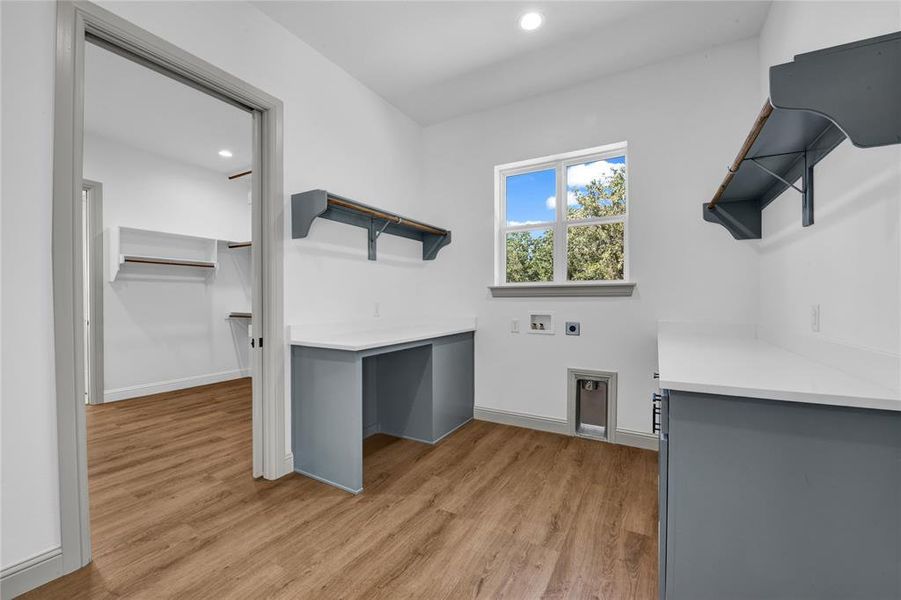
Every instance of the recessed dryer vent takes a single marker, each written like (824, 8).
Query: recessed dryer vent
(592, 404)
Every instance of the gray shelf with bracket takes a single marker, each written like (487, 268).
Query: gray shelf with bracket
(816, 101)
(306, 207)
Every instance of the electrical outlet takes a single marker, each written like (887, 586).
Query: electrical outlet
(514, 326)
(815, 318)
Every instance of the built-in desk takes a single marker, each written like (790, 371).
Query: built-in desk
(405, 379)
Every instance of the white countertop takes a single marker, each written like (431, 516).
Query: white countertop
(732, 361)
(354, 336)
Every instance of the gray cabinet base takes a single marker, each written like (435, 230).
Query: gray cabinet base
(421, 391)
(767, 499)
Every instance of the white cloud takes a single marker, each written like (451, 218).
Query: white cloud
(518, 223)
(581, 175)
(551, 201)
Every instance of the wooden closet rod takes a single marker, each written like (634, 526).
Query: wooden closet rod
(237, 175)
(333, 201)
(166, 261)
(765, 113)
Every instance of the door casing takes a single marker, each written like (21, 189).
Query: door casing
(94, 246)
(77, 22)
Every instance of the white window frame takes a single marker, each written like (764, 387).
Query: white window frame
(560, 226)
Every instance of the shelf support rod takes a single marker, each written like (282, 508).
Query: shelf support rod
(777, 176)
(806, 192)
(807, 195)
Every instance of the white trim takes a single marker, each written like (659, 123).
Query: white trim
(614, 149)
(158, 387)
(637, 439)
(518, 419)
(25, 575)
(326, 481)
(624, 437)
(74, 21)
(287, 464)
(560, 225)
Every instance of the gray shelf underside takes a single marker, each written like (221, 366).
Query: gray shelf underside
(308, 206)
(819, 99)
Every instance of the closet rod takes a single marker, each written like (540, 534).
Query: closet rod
(237, 175)
(240, 244)
(335, 201)
(169, 261)
(765, 113)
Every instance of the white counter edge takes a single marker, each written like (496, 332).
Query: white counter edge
(369, 337)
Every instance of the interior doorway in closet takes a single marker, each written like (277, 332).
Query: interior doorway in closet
(170, 279)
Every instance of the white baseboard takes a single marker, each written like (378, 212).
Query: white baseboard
(517, 419)
(30, 573)
(638, 439)
(147, 389)
(625, 437)
(287, 464)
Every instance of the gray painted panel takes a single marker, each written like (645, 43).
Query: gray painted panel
(327, 415)
(663, 463)
(857, 85)
(419, 390)
(404, 391)
(454, 382)
(370, 397)
(773, 500)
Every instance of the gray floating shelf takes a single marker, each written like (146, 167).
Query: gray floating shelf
(816, 101)
(307, 206)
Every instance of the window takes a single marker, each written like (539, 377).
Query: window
(563, 221)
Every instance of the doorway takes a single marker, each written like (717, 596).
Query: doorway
(78, 24)
(92, 293)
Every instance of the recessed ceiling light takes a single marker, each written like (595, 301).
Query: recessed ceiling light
(531, 21)
(225, 153)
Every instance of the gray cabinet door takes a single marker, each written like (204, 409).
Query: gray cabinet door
(775, 500)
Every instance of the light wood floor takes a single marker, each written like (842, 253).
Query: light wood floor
(491, 512)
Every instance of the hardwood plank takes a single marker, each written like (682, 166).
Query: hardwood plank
(491, 512)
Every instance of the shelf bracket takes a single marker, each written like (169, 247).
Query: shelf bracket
(806, 190)
(374, 236)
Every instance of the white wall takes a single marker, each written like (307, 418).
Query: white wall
(166, 329)
(682, 119)
(29, 509)
(338, 135)
(848, 261)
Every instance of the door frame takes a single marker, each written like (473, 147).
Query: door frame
(94, 230)
(76, 21)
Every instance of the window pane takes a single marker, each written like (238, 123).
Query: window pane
(530, 256)
(594, 252)
(531, 197)
(596, 189)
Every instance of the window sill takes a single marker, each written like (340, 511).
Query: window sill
(579, 290)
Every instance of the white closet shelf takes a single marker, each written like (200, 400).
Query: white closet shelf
(161, 260)
(131, 245)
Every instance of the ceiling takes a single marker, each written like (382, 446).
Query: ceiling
(134, 105)
(441, 59)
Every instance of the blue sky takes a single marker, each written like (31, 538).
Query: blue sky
(531, 196)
